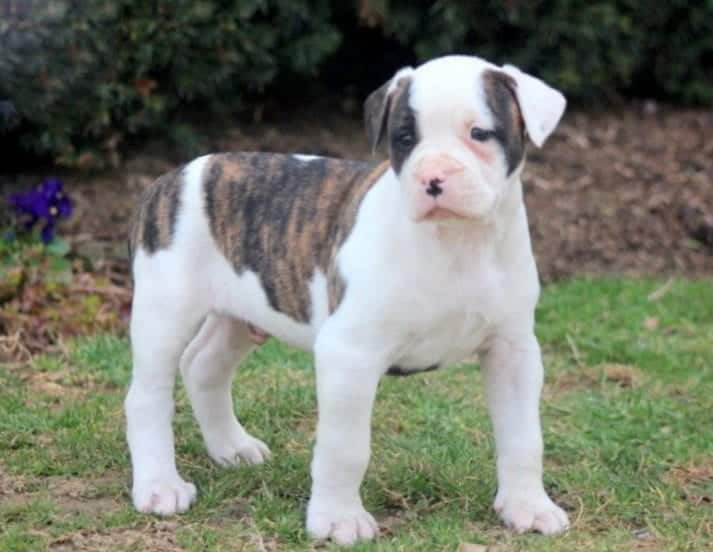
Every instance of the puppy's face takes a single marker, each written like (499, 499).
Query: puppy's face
(456, 129)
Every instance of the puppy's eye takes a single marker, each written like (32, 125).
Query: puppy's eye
(480, 134)
(405, 138)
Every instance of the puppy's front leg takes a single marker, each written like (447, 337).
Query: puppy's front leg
(347, 380)
(513, 378)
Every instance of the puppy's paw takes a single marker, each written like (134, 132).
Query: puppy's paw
(344, 525)
(243, 449)
(530, 510)
(164, 496)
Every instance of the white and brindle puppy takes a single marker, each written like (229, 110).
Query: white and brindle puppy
(398, 267)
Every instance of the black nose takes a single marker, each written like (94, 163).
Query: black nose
(434, 187)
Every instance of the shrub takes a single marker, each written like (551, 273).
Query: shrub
(591, 50)
(85, 74)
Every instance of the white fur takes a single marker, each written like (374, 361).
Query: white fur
(305, 158)
(417, 294)
(207, 366)
(319, 299)
(448, 98)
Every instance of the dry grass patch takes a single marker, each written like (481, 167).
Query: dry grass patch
(695, 479)
(10, 485)
(157, 537)
(70, 496)
(624, 376)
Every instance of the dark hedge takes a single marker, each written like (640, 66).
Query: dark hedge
(590, 49)
(78, 78)
(85, 74)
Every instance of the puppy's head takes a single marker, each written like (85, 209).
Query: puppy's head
(456, 128)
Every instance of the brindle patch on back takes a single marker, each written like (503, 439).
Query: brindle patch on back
(282, 218)
(154, 220)
(509, 125)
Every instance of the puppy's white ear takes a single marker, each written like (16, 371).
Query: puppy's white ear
(541, 105)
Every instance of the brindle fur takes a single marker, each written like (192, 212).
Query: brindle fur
(509, 125)
(282, 218)
(154, 221)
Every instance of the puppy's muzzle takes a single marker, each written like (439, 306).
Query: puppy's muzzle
(433, 173)
(438, 188)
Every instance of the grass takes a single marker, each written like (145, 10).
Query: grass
(627, 412)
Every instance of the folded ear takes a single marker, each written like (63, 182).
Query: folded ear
(377, 107)
(541, 105)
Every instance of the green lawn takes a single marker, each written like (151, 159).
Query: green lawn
(627, 412)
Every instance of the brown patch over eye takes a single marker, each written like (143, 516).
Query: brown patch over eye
(509, 127)
(403, 131)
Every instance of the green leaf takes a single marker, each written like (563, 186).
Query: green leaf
(58, 247)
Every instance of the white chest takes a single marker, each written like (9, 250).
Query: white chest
(443, 323)
(430, 295)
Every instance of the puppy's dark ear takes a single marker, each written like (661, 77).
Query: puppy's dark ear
(376, 112)
(377, 107)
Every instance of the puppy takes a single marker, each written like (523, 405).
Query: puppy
(389, 268)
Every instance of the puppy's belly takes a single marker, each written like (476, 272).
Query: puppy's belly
(446, 343)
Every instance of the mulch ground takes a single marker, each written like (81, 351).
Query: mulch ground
(628, 192)
(619, 192)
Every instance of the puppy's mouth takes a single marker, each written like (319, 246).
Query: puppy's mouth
(442, 213)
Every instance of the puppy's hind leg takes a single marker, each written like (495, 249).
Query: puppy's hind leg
(208, 366)
(161, 326)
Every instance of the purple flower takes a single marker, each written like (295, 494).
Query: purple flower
(47, 203)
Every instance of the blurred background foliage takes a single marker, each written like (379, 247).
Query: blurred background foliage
(80, 79)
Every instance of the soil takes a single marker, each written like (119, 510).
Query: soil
(626, 192)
